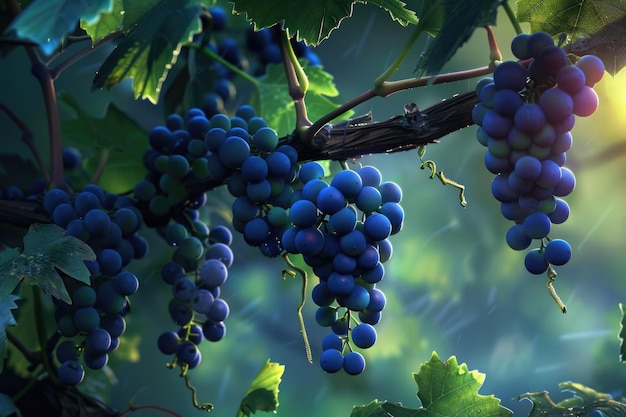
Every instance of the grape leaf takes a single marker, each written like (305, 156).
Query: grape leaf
(110, 21)
(150, 48)
(118, 135)
(313, 20)
(449, 389)
(46, 249)
(263, 392)
(8, 284)
(6, 319)
(375, 409)
(457, 21)
(8, 407)
(47, 22)
(273, 103)
(584, 401)
(592, 26)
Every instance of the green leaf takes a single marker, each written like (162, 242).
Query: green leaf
(449, 389)
(109, 21)
(8, 407)
(372, 409)
(622, 334)
(46, 249)
(47, 22)
(584, 401)
(8, 283)
(274, 104)
(263, 392)
(313, 21)
(150, 48)
(6, 319)
(592, 26)
(457, 21)
(117, 135)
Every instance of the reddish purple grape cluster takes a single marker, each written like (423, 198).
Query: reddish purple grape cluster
(525, 115)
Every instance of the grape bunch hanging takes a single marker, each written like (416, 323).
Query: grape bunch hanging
(525, 116)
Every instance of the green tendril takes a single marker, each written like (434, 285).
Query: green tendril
(307, 346)
(204, 406)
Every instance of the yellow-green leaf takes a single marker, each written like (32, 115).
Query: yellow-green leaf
(263, 392)
(150, 48)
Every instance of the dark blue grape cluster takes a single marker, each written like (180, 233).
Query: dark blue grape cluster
(342, 228)
(199, 268)
(94, 321)
(264, 49)
(265, 45)
(525, 115)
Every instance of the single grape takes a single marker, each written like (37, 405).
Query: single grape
(331, 360)
(213, 273)
(71, 373)
(535, 262)
(363, 335)
(558, 252)
(354, 363)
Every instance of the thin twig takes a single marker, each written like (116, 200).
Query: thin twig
(30, 355)
(27, 138)
(56, 71)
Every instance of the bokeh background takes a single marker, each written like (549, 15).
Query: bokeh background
(453, 285)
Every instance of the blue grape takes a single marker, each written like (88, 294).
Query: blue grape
(126, 283)
(363, 335)
(187, 352)
(537, 225)
(213, 331)
(218, 311)
(168, 342)
(535, 262)
(110, 262)
(510, 75)
(331, 360)
(98, 341)
(66, 351)
(332, 341)
(558, 252)
(354, 363)
(97, 222)
(325, 316)
(71, 373)
(377, 227)
(213, 273)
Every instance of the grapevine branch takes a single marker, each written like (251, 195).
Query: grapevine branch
(346, 140)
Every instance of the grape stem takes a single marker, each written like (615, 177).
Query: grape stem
(511, 16)
(42, 73)
(27, 138)
(390, 87)
(56, 71)
(214, 56)
(133, 408)
(41, 333)
(297, 81)
(30, 355)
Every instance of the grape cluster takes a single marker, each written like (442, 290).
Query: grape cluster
(342, 228)
(199, 268)
(265, 45)
(93, 323)
(261, 44)
(525, 116)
